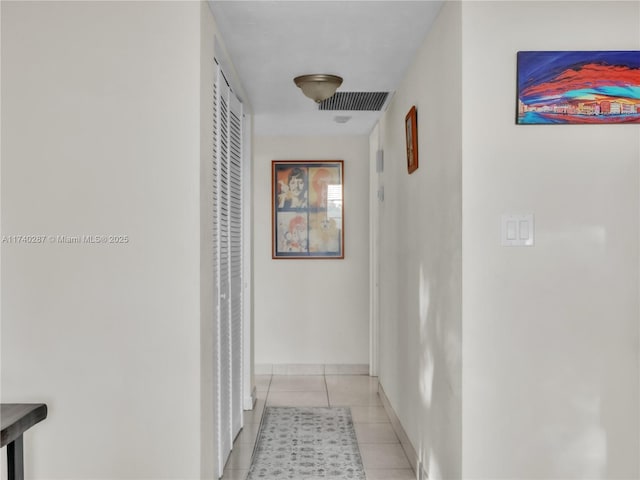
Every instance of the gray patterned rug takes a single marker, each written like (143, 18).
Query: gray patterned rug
(306, 444)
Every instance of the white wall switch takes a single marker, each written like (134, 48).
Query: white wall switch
(422, 475)
(517, 230)
(380, 161)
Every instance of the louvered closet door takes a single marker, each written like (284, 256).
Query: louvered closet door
(222, 243)
(235, 258)
(228, 249)
(215, 209)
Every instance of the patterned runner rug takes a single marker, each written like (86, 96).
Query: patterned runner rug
(306, 444)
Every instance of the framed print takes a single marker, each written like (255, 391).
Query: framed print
(411, 129)
(307, 209)
(578, 87)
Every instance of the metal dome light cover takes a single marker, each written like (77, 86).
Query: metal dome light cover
(318, 86)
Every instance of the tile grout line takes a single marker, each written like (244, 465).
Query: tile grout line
(266, 397)
(268, 389)
(326, 389)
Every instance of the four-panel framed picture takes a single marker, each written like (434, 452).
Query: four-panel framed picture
(307, 209)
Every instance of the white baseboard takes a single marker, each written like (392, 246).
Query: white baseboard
(250, 401)
(263, 369)
(310, 369)
(349, 369)
(408, 448)
(284, 369)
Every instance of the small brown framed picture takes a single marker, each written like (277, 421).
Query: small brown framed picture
(411, 129)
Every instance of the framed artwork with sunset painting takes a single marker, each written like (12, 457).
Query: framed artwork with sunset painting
(578, 87)
(307, 209)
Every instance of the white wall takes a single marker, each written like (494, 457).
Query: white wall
(101, 135)
(550, 332)
(420, 252)
(312, 311)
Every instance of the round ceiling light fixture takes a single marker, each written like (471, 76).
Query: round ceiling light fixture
(318, 86)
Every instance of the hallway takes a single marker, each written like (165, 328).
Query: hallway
(382, 455)
(500, 362)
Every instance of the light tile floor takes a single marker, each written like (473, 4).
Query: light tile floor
(382, 455)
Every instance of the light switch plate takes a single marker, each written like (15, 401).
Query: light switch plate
(517, 230)
(422, 475)
(379, 161)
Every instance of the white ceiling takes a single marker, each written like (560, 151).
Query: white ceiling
(368, 43)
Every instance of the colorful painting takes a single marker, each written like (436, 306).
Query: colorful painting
(307, 209)
(572, 87)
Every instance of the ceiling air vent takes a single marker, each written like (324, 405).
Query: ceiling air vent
(362, 101)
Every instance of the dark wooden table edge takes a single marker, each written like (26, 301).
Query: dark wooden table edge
(17, 418)
(35, 414)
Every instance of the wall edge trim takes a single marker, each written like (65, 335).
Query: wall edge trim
(407, 446)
